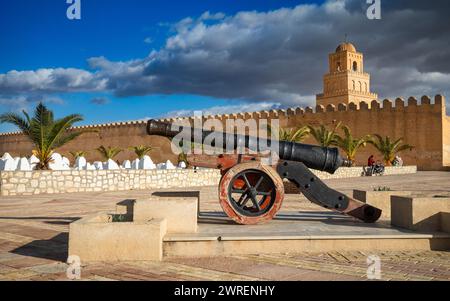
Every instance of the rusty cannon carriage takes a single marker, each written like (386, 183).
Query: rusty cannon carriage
(251, 191)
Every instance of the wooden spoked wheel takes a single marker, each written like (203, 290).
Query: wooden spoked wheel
(251, 193)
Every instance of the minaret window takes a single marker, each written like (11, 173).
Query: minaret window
(355, 66)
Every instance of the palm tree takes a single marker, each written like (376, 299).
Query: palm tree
(291, 135)
(109, 152)
(324, 136)
(46, 133)
(389, 149)
(185, 149)
(141, 150)
(78, 154)
(294, 135)
(351, 145)
(182, 157)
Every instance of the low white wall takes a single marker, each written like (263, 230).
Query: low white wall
(50, 182)
(14, 183)
(355, 172)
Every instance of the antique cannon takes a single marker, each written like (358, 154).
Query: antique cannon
(251, 191)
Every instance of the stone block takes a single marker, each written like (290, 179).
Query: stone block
(125, 207)
(418, 213)
(379, 199)
(445, 222)
(98, 238)
(181, 212)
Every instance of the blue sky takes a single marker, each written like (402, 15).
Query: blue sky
(134, 59)
(37, 34)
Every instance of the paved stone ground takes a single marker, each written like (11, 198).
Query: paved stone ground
(33, 242)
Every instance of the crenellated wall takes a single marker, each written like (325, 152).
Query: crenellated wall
(123, 135)
(423, 124)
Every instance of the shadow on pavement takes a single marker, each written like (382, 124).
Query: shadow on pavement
(55, 248)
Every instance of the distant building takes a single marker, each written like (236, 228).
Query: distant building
(346, 81)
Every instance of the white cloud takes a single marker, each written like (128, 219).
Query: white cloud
(277, 56)
(100, 100)
(19, 103)
(50, 80)
(220, 110)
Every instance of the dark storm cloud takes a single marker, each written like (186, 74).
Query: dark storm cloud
(278, 56)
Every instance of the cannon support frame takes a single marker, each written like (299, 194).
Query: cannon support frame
(296, 161)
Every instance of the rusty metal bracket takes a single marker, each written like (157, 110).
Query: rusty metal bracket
(319, 193)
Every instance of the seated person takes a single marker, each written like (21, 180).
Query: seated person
(397, 161)
(371, 164)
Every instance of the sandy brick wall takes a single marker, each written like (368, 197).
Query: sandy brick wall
(446, 144)
(51, 182)
(422, 123)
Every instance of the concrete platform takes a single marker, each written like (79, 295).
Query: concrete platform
(293, 232)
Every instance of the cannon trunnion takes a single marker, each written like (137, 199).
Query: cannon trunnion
(252, 192)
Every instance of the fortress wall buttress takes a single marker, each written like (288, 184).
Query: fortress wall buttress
(446, 132)
(446, 144)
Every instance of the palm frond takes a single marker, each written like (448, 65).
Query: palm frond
(26, 116)
(16, 120)
(405, 147)
(141, 150)
(77, 154)
(349, 144)
(323, 136)
(109, 152)
(60, 126)
(389, 149)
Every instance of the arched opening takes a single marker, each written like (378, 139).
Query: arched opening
(354, 85)
(360, 86)
(338, 66)
(355, 66)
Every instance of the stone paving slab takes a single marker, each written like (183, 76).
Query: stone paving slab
(296, 225)
(33, 242)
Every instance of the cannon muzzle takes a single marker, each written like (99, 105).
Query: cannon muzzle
(313, 156)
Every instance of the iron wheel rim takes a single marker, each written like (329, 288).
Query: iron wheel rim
(257, 193)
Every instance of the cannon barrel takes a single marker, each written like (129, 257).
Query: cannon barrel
(314, 157)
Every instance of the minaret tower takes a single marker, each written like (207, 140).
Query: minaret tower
(346, 81)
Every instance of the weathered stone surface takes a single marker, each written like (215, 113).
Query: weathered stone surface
(181, 212)
(42, 182)
(445, 222)
(418, 213)
(379, 199)
(97, 238)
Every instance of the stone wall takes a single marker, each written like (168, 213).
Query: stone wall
(355, 172)
(49, 182)
(422, 124)
(13, 183)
